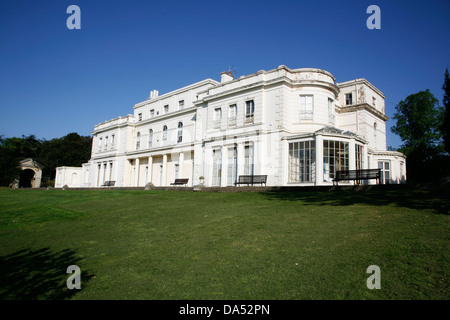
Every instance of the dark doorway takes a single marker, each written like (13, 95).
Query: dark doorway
(25, 178)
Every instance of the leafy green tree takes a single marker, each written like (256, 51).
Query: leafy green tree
(70, 150)
(446, 122)
(12, 150)
(418, 123)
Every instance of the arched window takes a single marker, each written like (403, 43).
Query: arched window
(138, 140)
(180, 132)
(150, 138)
(164, 136)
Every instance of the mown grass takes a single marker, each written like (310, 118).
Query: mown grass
(198, 245)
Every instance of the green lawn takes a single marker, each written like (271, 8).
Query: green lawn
(199, 245)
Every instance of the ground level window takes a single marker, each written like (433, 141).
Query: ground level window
(232, 166)
(385, 167)
(359, 157)
(335, 158)
(302, 161)
(217, 167)
(248, 160)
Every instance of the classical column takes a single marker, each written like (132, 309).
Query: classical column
(136, 172)
(351, 156)
(241, 159)
(180, 165)
(150, 169)
(319, 159)
(164, 170)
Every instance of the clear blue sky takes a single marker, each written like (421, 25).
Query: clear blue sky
(54, 81)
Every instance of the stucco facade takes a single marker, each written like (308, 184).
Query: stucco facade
(297, 126)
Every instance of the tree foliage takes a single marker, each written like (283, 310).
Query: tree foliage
(419, 124)
(70, 150)
(446, 122)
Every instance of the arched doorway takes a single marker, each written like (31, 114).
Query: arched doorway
(31, 174)
(26, 178)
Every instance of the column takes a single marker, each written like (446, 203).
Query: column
(164, 170)
(150, 169)
(319, 159)
(136, 172)
(180, 164)
(352, 156)
(241, 160)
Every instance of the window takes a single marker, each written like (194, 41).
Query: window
(385, 171)
(100, 141)
(302, 163)
(248, 160)
(348, 99)
(232, 166)
(106, 142)
(166, 108)
(164, 135)
(331, 116)
(249, 110)
(217, 167)
(359, 159)
(152, 113)
(138, 141)
(217, 117)
(335, 158)
(140, 117)
(232, 113)
(112, 141)
(150, 138)
(374, 102)
(180, 104)
(180, 132)
(306, 107)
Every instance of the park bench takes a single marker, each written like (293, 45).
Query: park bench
(357, 175)
(109, 184)
(179, 182)
(250, 180)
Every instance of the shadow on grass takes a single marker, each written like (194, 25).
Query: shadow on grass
(39, 274)
(421, 199)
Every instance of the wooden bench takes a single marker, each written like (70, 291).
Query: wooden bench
(250, 180)
(358, 175)
(109, 184)
(179, 182)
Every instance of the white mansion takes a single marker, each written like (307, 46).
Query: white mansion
(297, 126)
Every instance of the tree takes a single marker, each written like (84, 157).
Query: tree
(419, 122)
(12, 150)
(70, 150)
(446, 123)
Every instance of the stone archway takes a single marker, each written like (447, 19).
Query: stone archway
(26, 178)
(31, 174)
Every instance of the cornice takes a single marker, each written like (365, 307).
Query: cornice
(362, 106)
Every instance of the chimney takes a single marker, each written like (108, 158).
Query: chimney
(153, 94)
(226, 76)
